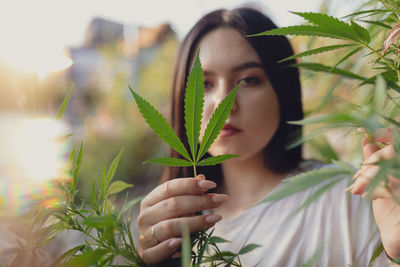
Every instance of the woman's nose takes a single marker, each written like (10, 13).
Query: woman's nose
(235, 106)
(223, 90)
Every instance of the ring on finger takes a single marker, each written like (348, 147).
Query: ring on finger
(153, 234)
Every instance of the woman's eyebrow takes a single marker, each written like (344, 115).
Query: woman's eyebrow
(243, 66)
(246, 65)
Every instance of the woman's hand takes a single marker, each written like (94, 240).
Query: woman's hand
(385, 195)
(170, 206)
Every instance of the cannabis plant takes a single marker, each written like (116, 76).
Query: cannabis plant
(105, 227)
(205, 249)
(372, 34)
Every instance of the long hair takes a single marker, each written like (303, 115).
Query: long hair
(284, 80)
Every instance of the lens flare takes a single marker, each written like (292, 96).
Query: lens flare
(32, 155)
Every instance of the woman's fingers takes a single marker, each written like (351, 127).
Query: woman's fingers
(365, 175)
(368, 172)
(168, 232)
(173, 228)
(176, 187)
(369, 148)
(382, 135)
(160, 252)
(178, 206)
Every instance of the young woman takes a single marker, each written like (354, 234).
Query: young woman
(257, 130)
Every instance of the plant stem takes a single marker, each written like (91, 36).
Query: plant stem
(384, 59)
(194, 170)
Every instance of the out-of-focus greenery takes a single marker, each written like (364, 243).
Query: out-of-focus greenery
(363, 50)
(115, 121)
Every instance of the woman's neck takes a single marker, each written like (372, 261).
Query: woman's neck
(246, 181)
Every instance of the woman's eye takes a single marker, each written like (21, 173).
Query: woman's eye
(207, 85)
(250, 81)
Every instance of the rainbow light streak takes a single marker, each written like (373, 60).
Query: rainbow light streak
(32, 157)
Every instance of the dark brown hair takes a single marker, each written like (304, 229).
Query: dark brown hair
(284, 79)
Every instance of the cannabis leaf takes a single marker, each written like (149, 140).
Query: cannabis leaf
(194, 102)
(306, 180)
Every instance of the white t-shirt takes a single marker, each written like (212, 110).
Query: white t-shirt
(338, 224)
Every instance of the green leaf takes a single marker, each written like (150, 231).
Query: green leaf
(76, 170)
(72, 155)
(113, 168)
(300, 30)
(194, 102)
(352, 52)
(303, 181)
(321, 147)
(309, 136)
(331, 24)
(385, 166)
(219, 256)
(373, 11)
(99, 222)
(217, 121)
(390, 78)
(396, 141)
(104, 186)
(216, 160)
(392, 5)
(324, 118)
(313, 260)
(130, 204)
(344, 165)
(379, 93)
(64, 104)
(217, 239)
(67, 254)
(248, 248)
(378, 250)
(329, 69)
(94, 204)
(202, 250)
(170, 162)
(361, 31)
(159, 125)
(118, 186)
(317, 194)
(378, 23)
(88, 258)
(316, 51)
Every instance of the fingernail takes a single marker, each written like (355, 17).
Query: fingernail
(365, 195)
(356, 174)
(176, 255)
(201, 177)
(206, 184)
(349, 188)
(213, 218)
(219, 198)
(174, 243)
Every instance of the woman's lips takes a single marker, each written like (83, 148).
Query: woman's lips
(229, 130)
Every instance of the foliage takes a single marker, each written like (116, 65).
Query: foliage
(378, 86)
(105, 227)
(194, 101)
(108, 120)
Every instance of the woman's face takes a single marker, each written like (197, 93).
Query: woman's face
(227, 59)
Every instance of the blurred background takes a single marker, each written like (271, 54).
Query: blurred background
(98, 48)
